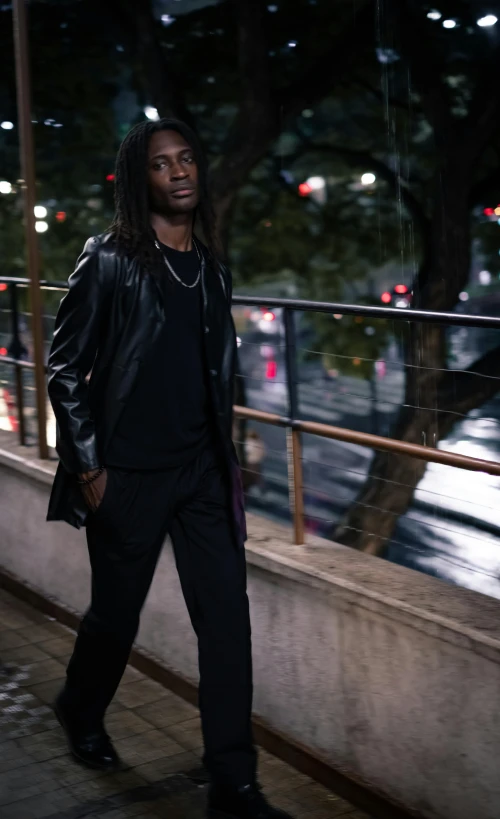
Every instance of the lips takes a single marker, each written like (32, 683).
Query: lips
(180, 193)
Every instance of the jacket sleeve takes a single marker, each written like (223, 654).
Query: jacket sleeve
(72, 354)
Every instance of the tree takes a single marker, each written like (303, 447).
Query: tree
(460, 102)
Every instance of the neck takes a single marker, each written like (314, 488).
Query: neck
(174, 231)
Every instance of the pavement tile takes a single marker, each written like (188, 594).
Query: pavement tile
(157, 734)
(140, 692)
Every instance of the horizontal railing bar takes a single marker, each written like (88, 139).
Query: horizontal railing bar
(425, 316)
(6, 359)
(366, 439)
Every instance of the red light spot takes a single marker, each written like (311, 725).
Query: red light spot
(386, 298)
(110, 177)
(268, 316)
(271, 370)
(400, 289)
(489, 212)
(3, 350)
(61, 216)
(304, 189)
(3, 286)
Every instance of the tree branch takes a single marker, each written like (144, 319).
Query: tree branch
(463, 390)
(484, 113)
(160, 82)
(381, 97)
(367, 161)
(488, 186)
(329, 67)
(426, 65)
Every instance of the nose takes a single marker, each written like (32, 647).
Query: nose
(179, 171)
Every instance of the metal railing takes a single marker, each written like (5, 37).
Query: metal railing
(293, 424)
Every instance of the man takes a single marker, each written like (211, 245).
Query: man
(145, 450)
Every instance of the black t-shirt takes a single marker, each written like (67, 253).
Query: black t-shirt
(165, 422)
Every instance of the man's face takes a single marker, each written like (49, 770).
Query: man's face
(172, 174)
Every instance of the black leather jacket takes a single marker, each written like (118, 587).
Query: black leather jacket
(107, 323)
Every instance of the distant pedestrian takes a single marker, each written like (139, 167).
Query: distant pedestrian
(255, 453)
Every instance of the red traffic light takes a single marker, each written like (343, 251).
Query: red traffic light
(271, 370)
(304, 189)
(489, 212)
(401, 289)
(61, 216)
(386, 298)
(110, 177)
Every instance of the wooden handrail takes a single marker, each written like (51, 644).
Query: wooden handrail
(366, 439)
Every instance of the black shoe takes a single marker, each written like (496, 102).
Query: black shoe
(244, 803)
(93, 748)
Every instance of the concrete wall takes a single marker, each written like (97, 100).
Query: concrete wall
(389, 675)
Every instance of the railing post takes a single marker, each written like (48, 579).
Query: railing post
(29, 190)
(294, 444)
(16, 351)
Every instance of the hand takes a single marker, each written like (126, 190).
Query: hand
(93, 493)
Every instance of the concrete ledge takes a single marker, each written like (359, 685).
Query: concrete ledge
(386, 675)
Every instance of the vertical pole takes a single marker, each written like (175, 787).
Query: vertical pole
(28, 174)
(15, 350)
(293, 435)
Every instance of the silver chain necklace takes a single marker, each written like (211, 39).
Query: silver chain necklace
(174, 274)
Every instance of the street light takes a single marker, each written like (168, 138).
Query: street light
(41, 227)
(368, 179)
(449, 23)
(487, 20)
(434, 15)
(151, 112)
(7, 126)
(5, 187)
(40, 211)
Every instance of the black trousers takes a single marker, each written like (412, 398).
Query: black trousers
(125, 536)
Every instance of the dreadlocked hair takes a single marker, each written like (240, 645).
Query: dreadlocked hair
(131, 226)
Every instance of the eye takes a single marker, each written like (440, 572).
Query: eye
(189, 159)
(158, 166)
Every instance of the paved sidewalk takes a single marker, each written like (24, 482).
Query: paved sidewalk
(156, 733)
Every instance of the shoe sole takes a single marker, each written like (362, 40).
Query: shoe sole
(116, 766)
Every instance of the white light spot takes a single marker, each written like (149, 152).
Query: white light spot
(239, 341)
(316, 183)
(487, 20)
(5, 187)
(7, 126)
(484, 277)
(434, 15)
(368, 179)
(40, 211)
(292, 44)
(151, 112)
(463, 296)
(41, 227)
(167, 19)
(449, 23)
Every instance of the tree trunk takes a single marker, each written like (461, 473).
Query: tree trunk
(425, 416)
